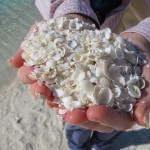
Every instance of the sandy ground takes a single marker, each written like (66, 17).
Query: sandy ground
(28, 124)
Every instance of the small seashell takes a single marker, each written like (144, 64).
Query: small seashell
(72, 43)
(96, 91)
(119, 81)
(107, 33)
(70, 104)
(105, 96)
(62, 111)
(39, 70)
(105, 69)
(133, 80)
(114, 71)
(32, 76)
(58, 93)
(116, 91)
(124, 94)
(99, 72)
(75, 25)
(78, 58)
(63, 67)
(53, 73)
(128, 69)
(104, 82)
(128, 51)
(60, 23)
(59, 40)
(131, 99)
(51, 64)
(132, 58)
(119, 53)
(56, 55)
(128, 107)
(134, 91)
(78, 75)
(86, 86)
(88, 73)
(137, 71)
(93, 79)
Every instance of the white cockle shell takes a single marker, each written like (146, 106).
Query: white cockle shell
(116, 91)
(75, 25)
(78, 75)
(70, 104)
(51, 64)
(105, 96)
(134, 91)
(72, 43)
(114, 71)
(86, 86)
(119, 53)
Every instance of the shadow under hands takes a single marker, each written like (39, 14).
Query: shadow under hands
(131, 138)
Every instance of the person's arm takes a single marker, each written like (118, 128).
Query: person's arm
(58, 8)
(140, 35)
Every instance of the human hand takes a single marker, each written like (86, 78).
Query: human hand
(23, 73)
(104, 119)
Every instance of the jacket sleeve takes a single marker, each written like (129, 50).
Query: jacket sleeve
(142, 28)
(56, 8)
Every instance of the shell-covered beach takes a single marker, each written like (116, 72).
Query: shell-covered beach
(27, 123)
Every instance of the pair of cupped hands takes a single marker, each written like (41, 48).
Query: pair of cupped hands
(97, 117)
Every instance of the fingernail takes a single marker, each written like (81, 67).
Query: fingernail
(147, 119)
(9, 62)
(39, 96)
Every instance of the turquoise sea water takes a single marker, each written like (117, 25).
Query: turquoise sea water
(16, 17)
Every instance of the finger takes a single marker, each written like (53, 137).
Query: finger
(76, 116)
(95, 126)
(24, 75)
(141, 110)
(16, 60)
(33, 27)
(39, 91)
(52, 105)
(50, 102)
(110, 117)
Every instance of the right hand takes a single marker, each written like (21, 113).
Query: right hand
(16, 61)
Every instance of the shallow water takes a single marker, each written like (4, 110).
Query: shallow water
(16, 17)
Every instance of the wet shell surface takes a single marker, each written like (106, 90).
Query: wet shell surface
(83, 66)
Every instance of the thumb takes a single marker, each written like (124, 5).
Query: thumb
(141, 112)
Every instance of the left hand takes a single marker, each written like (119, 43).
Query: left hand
(105, 119)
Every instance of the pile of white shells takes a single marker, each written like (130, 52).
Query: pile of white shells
(84, 66)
